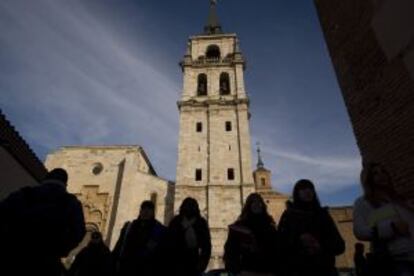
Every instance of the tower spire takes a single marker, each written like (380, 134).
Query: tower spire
(213, 26)
(260, 164)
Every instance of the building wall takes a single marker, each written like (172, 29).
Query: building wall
(371, 45)
(19, 165)
(112, 196)
(13, 175)
(344, 222)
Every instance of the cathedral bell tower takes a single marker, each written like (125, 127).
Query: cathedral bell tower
(214, 152)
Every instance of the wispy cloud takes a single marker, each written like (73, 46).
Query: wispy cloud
(83, 84)
(330, 173)
(79, 72)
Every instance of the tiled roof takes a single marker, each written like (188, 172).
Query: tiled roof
(11, 140)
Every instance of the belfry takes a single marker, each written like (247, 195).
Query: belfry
(214, 152)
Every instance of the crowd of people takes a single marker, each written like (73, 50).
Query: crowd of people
(40, 225)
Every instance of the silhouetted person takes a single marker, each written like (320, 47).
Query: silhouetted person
(189, 241)
(385, 220)
(41, 225)
(360, 260)
(139, 247)
(94, 260)
(311, 239)
(252, 246)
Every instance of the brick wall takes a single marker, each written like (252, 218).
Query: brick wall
(378, 90)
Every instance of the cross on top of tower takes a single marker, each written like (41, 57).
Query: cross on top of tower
(260, 164)
(213, 26)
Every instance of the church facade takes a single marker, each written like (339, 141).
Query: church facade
(111, 182)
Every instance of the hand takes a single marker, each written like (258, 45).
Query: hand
(401, 227)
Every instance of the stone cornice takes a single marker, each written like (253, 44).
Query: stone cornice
(213, 36)
(215, 185)
(205, 63)
(208, 102)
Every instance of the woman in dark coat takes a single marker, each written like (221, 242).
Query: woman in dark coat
(189, 241)
(252, 245)
(309, 234)
(139, 250)
(94, 260)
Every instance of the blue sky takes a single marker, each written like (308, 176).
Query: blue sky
(87, 72)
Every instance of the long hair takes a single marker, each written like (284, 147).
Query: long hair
(369, 185)
(305, 184)
(246, 213)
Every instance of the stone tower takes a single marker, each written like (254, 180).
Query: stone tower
(214, 158)
(275, 201)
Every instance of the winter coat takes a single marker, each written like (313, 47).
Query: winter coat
(93, 260)
(184, 260)
(252, 246)
(366, 217)
(139, 249)
(293, 224)
(40, 225)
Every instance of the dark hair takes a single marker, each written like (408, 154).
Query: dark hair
(57, 174)
(147, 204)
(247, 212)
(368, 185)
(190, 207)
(305, 184)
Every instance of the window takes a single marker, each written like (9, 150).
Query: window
(198, 175)
(154, 200)
(213, 52)
(199, 127)
(230, 174)
(224, 84)
(228, 126)
(263, 181)
(202, 85)
(97, 168)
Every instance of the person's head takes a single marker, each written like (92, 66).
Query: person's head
(189, 208)
(147, 210)
(376, 182)
(304, 194)
(96, 238)
(359, 248)
(57, 176)
(254, 207)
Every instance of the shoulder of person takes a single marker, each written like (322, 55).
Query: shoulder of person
(202, 221)
(175, 222)
(324, 212)
(362, 203)
(159, 225)
(239, 227)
